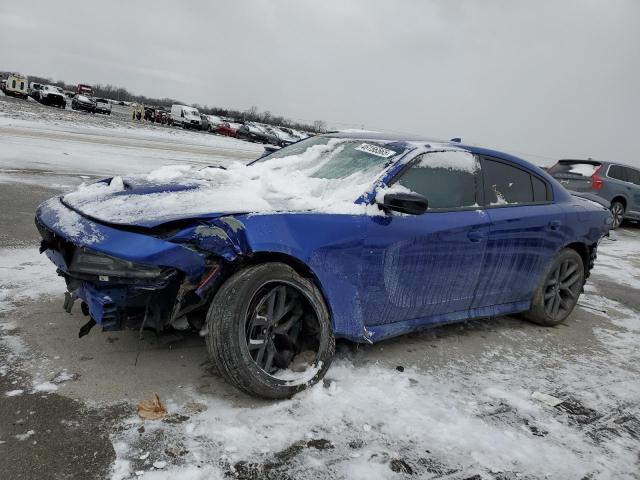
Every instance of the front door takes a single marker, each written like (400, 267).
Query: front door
(427, 266)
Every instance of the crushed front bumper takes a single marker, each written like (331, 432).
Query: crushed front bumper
(125, 300)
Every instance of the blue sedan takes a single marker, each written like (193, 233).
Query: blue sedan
(361, 236)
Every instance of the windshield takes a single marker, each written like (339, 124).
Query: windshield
(333, 158)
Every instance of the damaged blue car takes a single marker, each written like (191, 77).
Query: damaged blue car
(361, 236)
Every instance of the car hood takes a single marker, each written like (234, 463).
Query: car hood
(181, 192)
(129, 202)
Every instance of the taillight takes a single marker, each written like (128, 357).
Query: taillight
(596, 179)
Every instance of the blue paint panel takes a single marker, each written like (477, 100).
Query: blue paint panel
(422, 266)
(331, 247)
(522, 242)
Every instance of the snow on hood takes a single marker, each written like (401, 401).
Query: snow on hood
(289, 184)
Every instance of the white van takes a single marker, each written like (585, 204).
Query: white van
(16, 85)
(186, 117)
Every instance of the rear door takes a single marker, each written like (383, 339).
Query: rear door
(575, 175)
(625, 181)
(427, 266)
(527, 229)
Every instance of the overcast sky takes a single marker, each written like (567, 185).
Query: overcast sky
(543, 79)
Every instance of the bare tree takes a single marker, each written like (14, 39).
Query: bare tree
(319, 126)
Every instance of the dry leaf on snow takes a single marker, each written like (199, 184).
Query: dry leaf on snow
(152, 409)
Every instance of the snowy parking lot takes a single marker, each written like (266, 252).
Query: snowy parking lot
(497, 398)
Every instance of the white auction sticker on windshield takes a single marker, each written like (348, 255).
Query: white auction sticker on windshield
(376, 150)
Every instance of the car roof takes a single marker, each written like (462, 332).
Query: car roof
(386, 137)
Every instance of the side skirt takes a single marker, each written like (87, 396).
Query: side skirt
(382, 332)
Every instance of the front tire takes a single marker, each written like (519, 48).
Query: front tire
(558, 293)
(263, 323)
(617, 210)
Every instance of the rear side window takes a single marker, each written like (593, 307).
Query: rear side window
(584, 169)
(539, 190)
(448, 180)
(618, 172)
(633, 175)
(507, 184)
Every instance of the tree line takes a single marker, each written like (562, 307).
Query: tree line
(252, 114)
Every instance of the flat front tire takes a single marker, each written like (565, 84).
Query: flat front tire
(269, 331)
(557, 294)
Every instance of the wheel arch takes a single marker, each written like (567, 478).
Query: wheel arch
(301, 268)
(620, 198)
(586, 252)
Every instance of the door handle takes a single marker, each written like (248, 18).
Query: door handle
(555, 224)
(476, 236)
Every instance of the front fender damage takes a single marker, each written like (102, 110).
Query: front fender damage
(178, 301)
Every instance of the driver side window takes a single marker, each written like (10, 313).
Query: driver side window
(448, 180)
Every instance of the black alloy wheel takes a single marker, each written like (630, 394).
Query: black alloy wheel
(562, 289)
(557, 294)
(274, 325)
(269, 332)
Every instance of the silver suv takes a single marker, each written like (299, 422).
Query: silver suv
(616, 183)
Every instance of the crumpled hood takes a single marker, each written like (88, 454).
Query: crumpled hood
(180, 192)
(130, 201)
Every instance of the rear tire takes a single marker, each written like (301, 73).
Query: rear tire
(261, 321)
(558, 292)
(617, 210)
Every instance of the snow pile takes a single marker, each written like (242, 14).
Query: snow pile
(463, 417)
(366, 417)
(317, 179)
(458, 160)
(73, 225)
(25, 274)
(615, 259)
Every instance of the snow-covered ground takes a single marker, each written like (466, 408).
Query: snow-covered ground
(48, 140)
(456, 402)
(370, 420)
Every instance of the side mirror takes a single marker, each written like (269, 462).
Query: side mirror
(411, 203)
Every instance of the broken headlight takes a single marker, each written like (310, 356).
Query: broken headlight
(91, 263)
